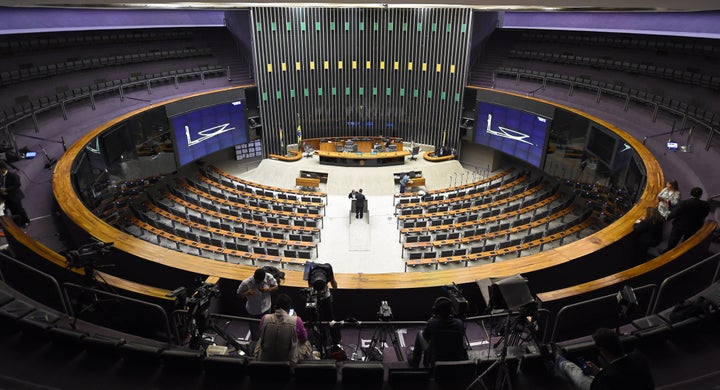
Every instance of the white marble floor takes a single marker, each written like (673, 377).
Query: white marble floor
(368, 245)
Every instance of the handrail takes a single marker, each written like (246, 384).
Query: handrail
(53, 281)
(679, 274)
(562, 310)
(600, 89)
(91, 94)
(155, 307)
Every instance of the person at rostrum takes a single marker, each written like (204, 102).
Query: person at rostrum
(359, 202)
(621, 371)
(283, 336)
(647, 233)
(256, 290)
(11, 193)
(688, 217)
(442, 331)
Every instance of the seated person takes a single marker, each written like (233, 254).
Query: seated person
(622, 370)
(648, 233)
(442, 339)
(283, 336)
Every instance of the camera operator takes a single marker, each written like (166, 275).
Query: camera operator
(442, 339)
(318, 278)
(256, 289)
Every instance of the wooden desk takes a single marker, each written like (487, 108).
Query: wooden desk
(293, 155)
(416, 182)
(351, 159)
(307, 182)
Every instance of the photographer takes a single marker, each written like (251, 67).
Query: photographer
(256, 289)
(319, 277)
(442, 339)
(622, 370)
(282, 334)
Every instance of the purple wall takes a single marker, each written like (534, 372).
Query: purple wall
(693, 24)
(239, 24)
(29, 20)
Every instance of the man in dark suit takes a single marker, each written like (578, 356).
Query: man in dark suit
(688, 217)
(12, 195)
(359, 202)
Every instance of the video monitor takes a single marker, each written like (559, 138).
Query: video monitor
(518, 133)
(207, 130)
(602, 144)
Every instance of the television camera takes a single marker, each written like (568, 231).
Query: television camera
(460, 304)
(86, 255)
(385, 312)
(196, 312)
(311, 298)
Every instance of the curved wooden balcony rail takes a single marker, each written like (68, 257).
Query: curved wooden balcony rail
(618, 279)
(561, 256)
(60, 261)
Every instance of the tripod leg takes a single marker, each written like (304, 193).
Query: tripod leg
(396, 344)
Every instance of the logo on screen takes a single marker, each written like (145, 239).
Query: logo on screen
(504, 132)
(207, 133)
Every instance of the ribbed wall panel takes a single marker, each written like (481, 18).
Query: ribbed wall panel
(361, 92)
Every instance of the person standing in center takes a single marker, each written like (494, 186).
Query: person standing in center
(359, 202)
(256, 289)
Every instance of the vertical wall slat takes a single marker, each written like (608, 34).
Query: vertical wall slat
(421, 119)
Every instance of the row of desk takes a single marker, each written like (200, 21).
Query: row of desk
(456, 189)
(232, 178)
(245, 207)
(463, 198)
(244, 221)
(466, 259)
(474, 222)
(231, 234)
(473, 209)
(244, 195)
(253, 258)
(470, 240)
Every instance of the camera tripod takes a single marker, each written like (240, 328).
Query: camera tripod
(380, 334)
(517, 327)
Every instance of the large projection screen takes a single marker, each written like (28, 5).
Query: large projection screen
(520, 134)
(207, 130)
